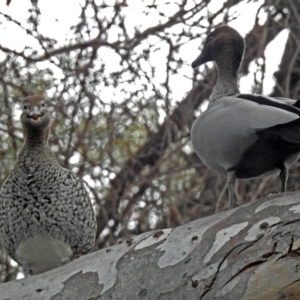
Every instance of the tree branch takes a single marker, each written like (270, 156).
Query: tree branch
(250, 252)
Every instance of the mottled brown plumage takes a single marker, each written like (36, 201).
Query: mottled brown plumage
(46, 216)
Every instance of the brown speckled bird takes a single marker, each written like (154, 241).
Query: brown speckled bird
(46, 216)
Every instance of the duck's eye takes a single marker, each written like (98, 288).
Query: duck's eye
(25, 106)
(43, 104)
(209, 38)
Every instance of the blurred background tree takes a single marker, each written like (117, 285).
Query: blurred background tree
(124, 96)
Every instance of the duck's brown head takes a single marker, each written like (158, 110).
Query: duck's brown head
(224, 43)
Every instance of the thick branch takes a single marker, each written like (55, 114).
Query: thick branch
(251, 252)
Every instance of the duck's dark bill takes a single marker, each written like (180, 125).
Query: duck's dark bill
(197, 62)
(201, 59)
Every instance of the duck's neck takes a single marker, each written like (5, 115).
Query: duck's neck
(227, 79)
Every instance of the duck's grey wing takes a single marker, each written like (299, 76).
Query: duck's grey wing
(259, 112)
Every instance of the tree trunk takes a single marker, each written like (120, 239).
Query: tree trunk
(250, 252)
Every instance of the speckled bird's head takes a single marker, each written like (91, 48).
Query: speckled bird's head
(35, 117)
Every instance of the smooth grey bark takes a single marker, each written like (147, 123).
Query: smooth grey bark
(250, 252)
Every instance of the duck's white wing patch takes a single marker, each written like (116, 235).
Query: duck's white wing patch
(259, 116)
(284, 100)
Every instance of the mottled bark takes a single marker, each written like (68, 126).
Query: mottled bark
(250, 252)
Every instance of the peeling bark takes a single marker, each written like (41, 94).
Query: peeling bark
(249, 253)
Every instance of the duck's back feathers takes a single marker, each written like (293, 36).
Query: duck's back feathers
(283, 103)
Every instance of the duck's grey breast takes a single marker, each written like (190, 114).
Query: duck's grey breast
(221, 135)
